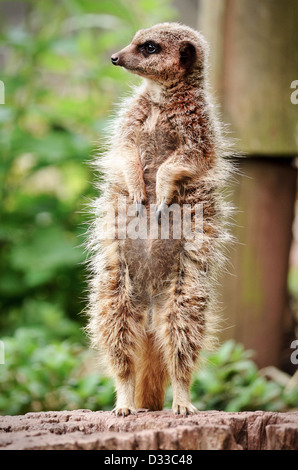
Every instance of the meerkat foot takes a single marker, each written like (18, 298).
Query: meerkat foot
(181, 399)
(124, 411)
(125, 397)
(185, 409)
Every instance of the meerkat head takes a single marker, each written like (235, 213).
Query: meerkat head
(166, 53)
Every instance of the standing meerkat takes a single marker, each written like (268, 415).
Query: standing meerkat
(151, 297)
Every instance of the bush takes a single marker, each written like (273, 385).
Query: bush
(229, 380)
(46, 367)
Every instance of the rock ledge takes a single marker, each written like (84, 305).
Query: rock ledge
(154, 430)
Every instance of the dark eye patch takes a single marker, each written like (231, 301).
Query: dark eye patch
(149, 48)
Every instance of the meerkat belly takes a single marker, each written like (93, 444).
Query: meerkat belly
(151, 262)
(150, 258)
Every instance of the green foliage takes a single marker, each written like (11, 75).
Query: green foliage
(46, 366)
(229, 380)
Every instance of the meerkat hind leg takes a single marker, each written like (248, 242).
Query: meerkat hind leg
(117, 326)
(182, 333)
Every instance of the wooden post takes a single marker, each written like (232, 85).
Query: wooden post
(254, 60)
(255, 294)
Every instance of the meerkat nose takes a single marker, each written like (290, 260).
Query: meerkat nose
(115, 59)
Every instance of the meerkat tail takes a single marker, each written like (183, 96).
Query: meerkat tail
(151, 377)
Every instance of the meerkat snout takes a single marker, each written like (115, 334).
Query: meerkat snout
(115, 59)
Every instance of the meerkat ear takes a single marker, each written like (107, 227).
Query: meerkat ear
(188, 54)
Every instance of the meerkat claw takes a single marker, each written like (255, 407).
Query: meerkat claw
(124, 411)
(159, 209)
(157, 214)
(139, 209)
(184, 410)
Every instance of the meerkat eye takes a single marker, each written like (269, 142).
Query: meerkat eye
(149, 47)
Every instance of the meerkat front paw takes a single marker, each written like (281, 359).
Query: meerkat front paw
(124, 411)
(184, 409)
(139, 199)
(163, 200)
(159, 210)
(162, 197)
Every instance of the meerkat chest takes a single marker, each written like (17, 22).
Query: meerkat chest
(158, 138)
(152, 120)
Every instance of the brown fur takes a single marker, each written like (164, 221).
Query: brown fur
(151, 301)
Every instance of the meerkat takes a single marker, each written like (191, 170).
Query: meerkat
(151, 308)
